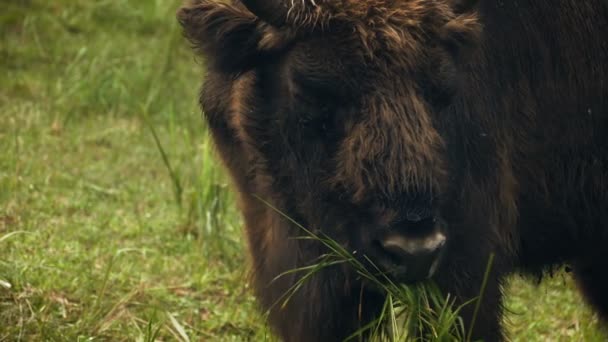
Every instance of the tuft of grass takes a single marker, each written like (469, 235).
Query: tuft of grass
(101, 140)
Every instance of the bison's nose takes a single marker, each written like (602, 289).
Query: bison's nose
(411, 258)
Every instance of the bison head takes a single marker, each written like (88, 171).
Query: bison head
(331, 110)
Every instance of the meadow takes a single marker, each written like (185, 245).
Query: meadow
(116, 221)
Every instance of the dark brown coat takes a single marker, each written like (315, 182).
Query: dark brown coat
(346, 114)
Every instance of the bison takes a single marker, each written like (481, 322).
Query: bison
(425, 135)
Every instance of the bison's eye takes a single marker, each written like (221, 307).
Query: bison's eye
(316, 115)
(317, 118)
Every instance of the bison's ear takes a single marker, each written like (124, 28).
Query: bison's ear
(228, 36)
(461, 34)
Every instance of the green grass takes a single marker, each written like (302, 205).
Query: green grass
(102, 236)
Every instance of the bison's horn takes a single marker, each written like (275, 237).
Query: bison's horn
(273, 12)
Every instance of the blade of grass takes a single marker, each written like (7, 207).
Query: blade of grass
(178, 328)
(11, 234)
(480, 298)
(175, 179)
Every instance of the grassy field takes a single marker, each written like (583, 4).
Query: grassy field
(115, 221)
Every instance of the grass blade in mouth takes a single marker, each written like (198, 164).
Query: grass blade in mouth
(409, 312)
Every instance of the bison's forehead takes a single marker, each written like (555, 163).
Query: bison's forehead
(398, 26)
(369, 12)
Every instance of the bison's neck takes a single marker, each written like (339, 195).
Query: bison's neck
(533, 107)
(530, 87)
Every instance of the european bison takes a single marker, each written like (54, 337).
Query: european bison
(424, 134)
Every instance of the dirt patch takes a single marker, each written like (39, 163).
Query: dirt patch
(7, 221)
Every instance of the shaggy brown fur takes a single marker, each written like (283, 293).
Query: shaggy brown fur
(349, 114)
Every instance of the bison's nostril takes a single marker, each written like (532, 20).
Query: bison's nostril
(414, 217)
(418, 214)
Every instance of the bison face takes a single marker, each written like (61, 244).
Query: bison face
(329, 110)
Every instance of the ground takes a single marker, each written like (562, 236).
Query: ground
(116, 221)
